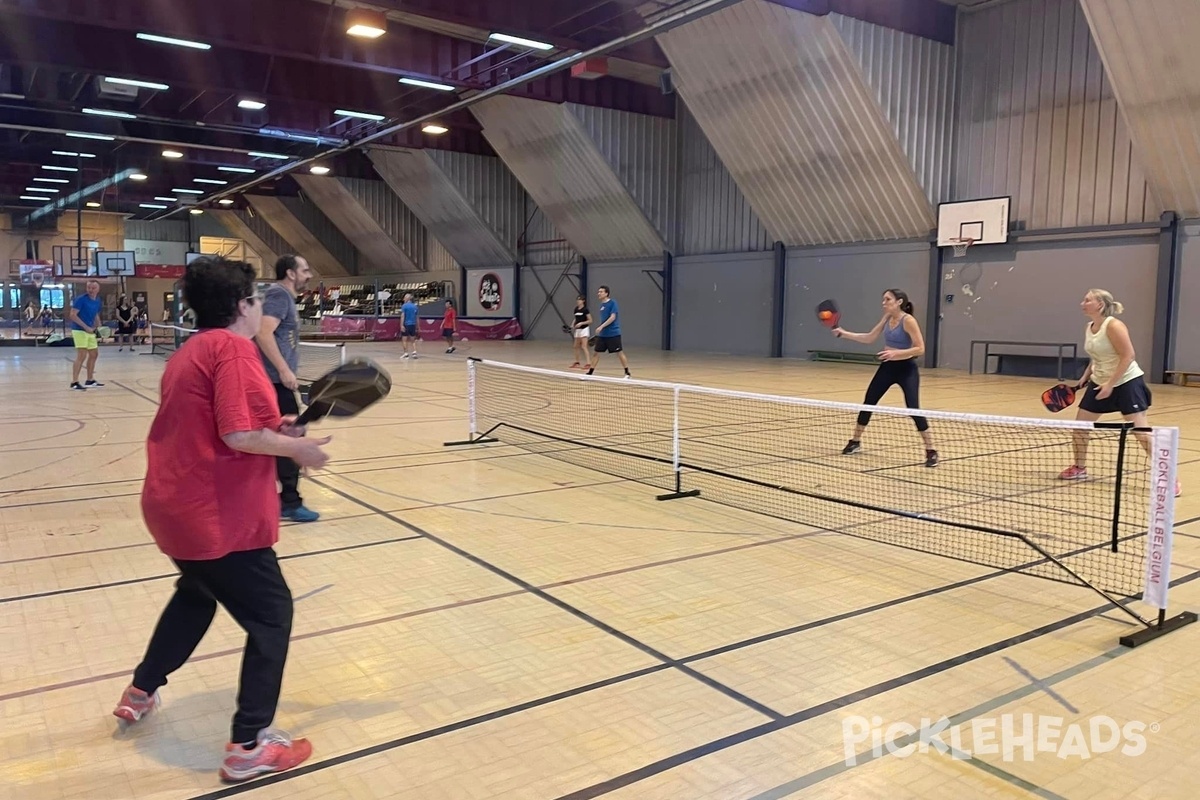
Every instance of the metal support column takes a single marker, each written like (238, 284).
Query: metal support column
(778, 297)
(583, 278)
(933, 306)
(668, 297)
(516, 290)
(1166, 296)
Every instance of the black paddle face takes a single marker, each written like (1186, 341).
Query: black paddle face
(347, 390)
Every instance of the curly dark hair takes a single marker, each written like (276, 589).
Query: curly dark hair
(213, 287)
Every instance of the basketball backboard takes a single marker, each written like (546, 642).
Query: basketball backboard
(115, 262)
(985, 221)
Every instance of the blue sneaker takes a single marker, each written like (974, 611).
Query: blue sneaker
(300, 514)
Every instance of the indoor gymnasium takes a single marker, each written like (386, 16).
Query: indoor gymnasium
(715, 399)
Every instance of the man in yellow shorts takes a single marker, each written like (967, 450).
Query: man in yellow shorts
(85, 319)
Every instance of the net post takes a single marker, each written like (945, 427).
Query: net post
(676, 465)
(473, 435)
(1164, 462)
(1116, 514)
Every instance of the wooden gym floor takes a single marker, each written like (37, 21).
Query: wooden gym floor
(480, 622)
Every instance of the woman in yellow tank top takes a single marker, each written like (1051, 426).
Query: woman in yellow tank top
(1113, 378)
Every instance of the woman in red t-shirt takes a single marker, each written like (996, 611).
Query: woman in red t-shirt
(210, 503)
(449, 325)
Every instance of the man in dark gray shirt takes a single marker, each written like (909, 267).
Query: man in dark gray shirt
(279, 341)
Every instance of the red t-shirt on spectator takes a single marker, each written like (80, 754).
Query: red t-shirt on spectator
(203, 500)
(448, 319)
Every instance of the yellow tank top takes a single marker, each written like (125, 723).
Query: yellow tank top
(1104, 356)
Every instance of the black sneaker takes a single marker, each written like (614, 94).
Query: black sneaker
(931, 458)
(93, 385)
(852, 446)
(77, 386)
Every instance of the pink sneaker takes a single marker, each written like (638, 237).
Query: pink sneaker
(1073, 473)
(135, 704)
(275, 751)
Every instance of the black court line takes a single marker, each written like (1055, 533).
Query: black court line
(145, 397)
(563, 605)
(70, 500)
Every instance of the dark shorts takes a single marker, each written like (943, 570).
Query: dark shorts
(125, 329)
(608, 344)
(410, 331)
(1131, 397)
(447, 333)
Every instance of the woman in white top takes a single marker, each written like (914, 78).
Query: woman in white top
(1113, 378)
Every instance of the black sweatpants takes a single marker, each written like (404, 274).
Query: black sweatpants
(252, 589)
(895, 373)
(286, 469)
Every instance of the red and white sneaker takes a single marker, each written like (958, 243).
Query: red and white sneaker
(135, 704)
(1073, 473)
(274, 751)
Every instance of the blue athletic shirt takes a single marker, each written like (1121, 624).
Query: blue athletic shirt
(410, 313)
(87, 308)
(607, 309)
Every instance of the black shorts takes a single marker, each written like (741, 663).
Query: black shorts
(1131, 397)
(125, 330)
(447, 333)
(608, 344)
(410, 331)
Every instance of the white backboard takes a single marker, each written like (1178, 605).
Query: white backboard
(985, 221)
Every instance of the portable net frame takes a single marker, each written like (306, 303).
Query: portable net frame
(316, 358)
(995, 499)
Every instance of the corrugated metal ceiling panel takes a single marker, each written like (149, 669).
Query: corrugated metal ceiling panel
(383, 255)
(798, 127)
(302, 240)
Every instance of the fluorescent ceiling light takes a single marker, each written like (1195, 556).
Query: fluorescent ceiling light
(197, 211)
(104, 112)
(92, 204)
(187, 191)
(137, 176)
(72, 154)
(365, 31)
(319, 170)
(11, 96)
(151, 37)
(51, 180)
(366, 23)
(167, 199)
(359, 115)
(441, 87)
(100, 136)
(162, 87)
(243, 170)
(38, 199)
(252, 105)
(210, 180)
(257, 154)
(41, 189)
(172, 154)
(150, 205)
(434, 130)
(59, 169)
(226, 202)
(517, 40)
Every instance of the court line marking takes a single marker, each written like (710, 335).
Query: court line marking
(1041, 684)
(309, 594)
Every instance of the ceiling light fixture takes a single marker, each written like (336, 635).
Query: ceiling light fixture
(365, 23)
(59, 169)
(259, 154)
(137, 176)
(251, 105)
(243, 170)
(213, 181)
(92, 204)
(172, 154)
(162, 87)
(319, 170)
(441, 87)
(98, 136)
(359, 115)
(153, 37)
(72, 154)
(434, 130)
(51, 180)
(104, 112)
(196, 211)
(187, 191)
(38, 199)
(226, 202)
(46, 189)
(11, 96)
(517, 40)
(167, 199)
(150, 205)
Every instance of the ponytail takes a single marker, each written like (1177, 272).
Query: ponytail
(1109, 306)
(902, 298)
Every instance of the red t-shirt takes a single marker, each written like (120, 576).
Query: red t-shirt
(448, 319)
(201, 499)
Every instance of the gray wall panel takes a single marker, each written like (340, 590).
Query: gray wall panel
(638, 298)
(491, 189)
(1031, 292)
(263, 230)
(855, 276)
(389, 211)
(206, 224)
(326, 232)
(1185, 354)
(715, 217)
(549, 325)
(1037, 119)
(723, 304)
(166, 230)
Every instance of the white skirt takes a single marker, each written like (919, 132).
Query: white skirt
(583, 333)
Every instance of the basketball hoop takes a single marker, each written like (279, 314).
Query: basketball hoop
(960, 246)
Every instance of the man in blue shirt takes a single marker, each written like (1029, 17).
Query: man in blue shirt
(409, 334)
(85, 319)
(608, 332)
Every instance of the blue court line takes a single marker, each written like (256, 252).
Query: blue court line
(307, 595)
(1039, 683)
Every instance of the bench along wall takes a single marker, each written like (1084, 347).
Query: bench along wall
(1030, 290)
(856, 277)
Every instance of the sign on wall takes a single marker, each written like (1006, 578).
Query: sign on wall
(150, 252)
(489, 292)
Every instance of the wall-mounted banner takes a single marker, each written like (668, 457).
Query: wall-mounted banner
(489, 292)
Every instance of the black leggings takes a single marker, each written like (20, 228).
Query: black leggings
(895, 373)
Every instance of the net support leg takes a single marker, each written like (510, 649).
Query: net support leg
(474, 438)
(676, 464)
(1161, 628)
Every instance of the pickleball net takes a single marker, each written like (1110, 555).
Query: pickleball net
(995, 499)
(316, 358)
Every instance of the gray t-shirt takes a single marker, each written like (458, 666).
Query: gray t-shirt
(279, 303)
